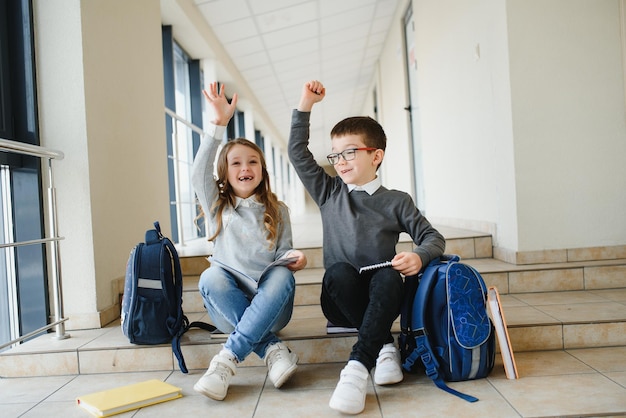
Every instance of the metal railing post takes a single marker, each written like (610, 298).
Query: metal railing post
(57, 289)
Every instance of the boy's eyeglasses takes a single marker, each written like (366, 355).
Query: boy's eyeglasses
(347, 154)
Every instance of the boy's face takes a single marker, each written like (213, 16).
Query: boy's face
(244, 170)
(360, 170)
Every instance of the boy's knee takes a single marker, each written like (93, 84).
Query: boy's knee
(339, 270)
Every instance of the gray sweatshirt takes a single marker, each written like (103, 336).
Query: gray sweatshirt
(359, 228)
(242, 246)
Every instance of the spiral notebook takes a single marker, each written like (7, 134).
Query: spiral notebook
(126, 398)
(375, 266)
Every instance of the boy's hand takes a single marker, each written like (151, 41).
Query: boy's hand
(300, 263)
(218, 104)
(312, 92)
(407, 263)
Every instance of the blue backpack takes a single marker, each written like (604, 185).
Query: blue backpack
(444, 323)
(152, 305)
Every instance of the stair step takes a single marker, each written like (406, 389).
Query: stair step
(547, 306)
(537, 321)
(467, 244)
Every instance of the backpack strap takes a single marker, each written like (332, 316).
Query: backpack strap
(176, 340)
(427, 281)
(424, 351)
(406, 340)
(178, 284)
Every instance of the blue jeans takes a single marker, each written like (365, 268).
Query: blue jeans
(370, 302)
(251, 320)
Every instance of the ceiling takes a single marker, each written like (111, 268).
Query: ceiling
(277, 45)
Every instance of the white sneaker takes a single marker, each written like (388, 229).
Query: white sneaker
(349, 395)
(215, 381)
(388, 370)
(281, 363)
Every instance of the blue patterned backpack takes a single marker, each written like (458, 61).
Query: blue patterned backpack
(445, 324)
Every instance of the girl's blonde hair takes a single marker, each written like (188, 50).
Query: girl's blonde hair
(272, 218)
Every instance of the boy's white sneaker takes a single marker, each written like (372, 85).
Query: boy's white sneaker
(281, 363)
(388, 370)
(215, 381)
(349, 395)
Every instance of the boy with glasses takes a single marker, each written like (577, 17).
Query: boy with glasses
(362, 221)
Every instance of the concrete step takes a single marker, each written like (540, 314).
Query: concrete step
(537, 321)
(467, 244)
(547, 306)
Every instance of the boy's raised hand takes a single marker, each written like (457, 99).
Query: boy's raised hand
(218, 104)
(312, 92)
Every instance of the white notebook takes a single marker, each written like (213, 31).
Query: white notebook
(499, 322)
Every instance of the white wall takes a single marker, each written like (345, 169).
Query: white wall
(465, 114)
(522, 119)
(100, 85)
(391, 91)
(567, 84)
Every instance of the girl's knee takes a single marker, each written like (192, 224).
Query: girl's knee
(280, 278)
(214, 279)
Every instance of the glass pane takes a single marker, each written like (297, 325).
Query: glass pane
(7, 294)
(184, 146)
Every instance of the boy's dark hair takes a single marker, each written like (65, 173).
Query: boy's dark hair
(371, 131)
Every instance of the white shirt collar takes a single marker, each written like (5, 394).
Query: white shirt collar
(370, 187)
(247, 202)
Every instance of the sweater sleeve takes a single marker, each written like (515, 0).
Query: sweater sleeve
(317, 182)
(202, 178)
(429, 242)
(284, 243)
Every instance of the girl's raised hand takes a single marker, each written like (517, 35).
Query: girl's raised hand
(218, 104)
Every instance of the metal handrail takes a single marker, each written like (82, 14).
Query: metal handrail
(190, 125)
(28, 149)
(52, 239)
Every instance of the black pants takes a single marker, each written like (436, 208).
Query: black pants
(370, 302)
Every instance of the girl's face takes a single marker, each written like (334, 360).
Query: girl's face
(244, 170)
(360, 170)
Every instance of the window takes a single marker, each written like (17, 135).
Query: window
(24, 303)
(183, 96)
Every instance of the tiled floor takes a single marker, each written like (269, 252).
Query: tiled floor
(587, 382)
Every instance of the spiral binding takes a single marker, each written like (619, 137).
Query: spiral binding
(375, 266)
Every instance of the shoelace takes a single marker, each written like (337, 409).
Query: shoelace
(221, 370)
(275, 356)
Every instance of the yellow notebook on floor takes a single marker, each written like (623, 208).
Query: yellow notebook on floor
(126, 398)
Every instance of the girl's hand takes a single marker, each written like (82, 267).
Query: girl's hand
(218, 104)
(407, 263)
(300, 263)
(312, 92)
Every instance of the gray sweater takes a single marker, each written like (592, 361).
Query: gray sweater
(242, 245)
(358, 228)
